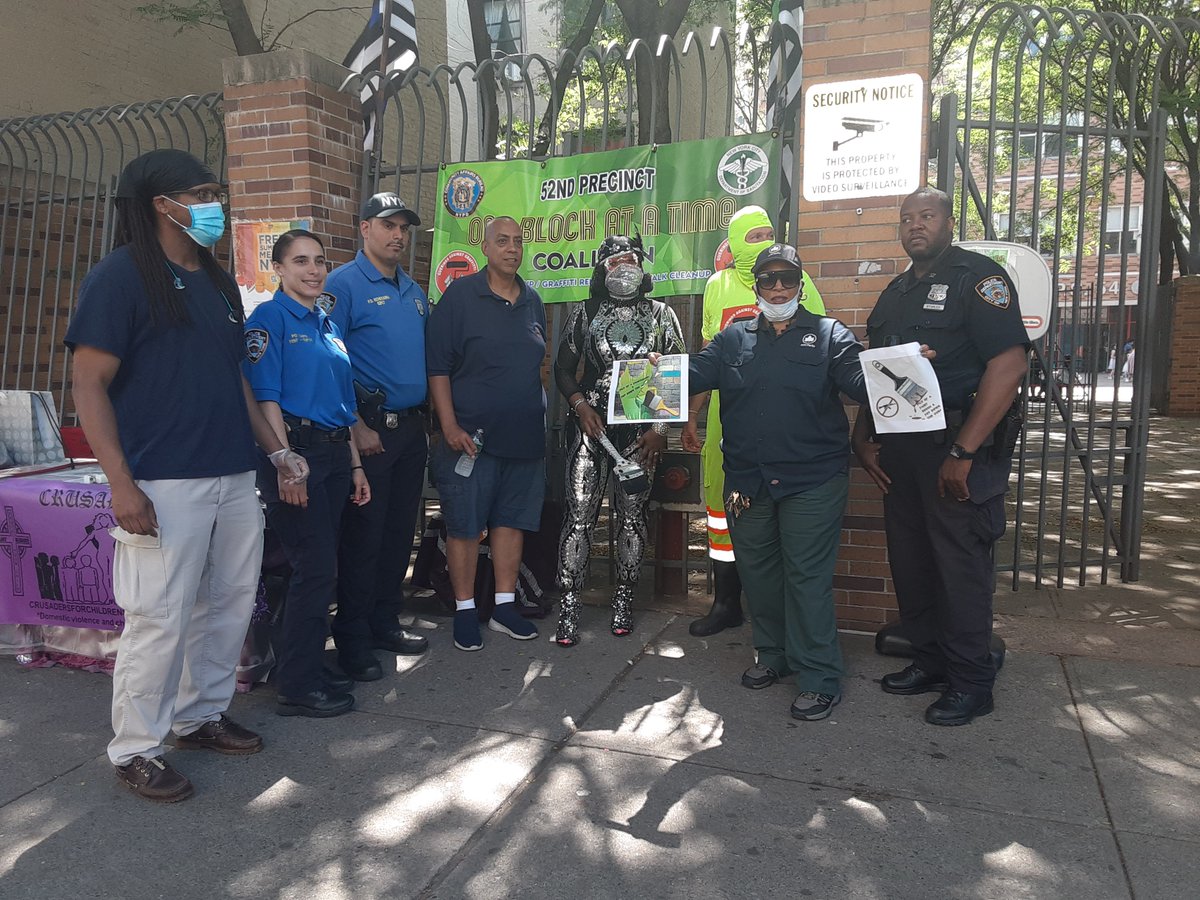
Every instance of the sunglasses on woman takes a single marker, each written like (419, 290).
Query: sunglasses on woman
(788, 278)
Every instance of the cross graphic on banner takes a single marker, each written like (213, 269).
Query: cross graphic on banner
(15, 542)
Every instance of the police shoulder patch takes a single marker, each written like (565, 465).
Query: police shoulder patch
(256, 343)
(995, 291)
(326, 302)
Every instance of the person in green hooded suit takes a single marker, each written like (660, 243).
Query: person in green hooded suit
(729, 297)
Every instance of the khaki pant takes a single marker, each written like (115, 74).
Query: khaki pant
(187, 604)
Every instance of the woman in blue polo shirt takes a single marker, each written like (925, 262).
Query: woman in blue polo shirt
(297, 366)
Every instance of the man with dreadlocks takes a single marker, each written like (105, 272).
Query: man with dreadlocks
(729, 297)
(618, 320)
(157, 345)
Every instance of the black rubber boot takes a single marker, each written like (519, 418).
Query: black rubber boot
(726, 610)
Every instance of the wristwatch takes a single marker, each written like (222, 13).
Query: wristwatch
(958, 452)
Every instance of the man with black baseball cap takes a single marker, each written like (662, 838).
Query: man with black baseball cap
(382, 313)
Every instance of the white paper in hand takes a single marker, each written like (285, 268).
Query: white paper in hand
(902, 390)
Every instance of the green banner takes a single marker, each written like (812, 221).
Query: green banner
(680, 197)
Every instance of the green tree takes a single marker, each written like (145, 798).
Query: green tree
(1105, 63)
(233, 17)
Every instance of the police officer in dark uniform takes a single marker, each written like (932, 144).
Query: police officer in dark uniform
(298, 369)
(944, 491)
(382, 313)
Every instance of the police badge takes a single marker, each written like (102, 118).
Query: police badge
(995, 291)
(936, 300)
(256, 343)
(464, 190)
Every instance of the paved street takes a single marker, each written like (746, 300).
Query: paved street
(640, 768)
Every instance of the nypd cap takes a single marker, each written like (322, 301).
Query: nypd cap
(386, 205)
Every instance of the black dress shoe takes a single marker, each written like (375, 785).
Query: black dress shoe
(401, 641)
(336, 682)
(958, 708)
(316, 705)
(912, 680)
(361, 665)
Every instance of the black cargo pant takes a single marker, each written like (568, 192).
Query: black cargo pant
(940, 550)
(309, 539)
(377, 539)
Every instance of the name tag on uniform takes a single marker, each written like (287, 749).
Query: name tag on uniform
(936, 300)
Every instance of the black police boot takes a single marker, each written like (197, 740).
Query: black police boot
(958, 708)
(726, 610)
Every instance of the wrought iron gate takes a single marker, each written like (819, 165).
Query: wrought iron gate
(699, 86)
(59, 175)
(1057, 128)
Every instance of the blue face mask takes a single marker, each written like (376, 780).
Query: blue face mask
(208, 222)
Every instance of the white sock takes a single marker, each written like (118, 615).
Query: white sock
(505, 598)
(464, 604)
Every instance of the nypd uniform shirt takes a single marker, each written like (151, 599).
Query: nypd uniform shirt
(295, 356)
(383, 323)
(177, 395)
(783, 422)
(493, 350)
(965, 308)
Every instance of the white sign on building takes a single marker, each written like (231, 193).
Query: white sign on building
(862, 138)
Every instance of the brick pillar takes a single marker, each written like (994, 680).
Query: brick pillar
(1183, 374)
(295, 145)
(852, 250)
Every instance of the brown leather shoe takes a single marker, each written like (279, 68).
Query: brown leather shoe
(224, 736)
(154, 779)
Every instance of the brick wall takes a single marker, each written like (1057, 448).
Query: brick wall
(1183, 376)
(842, 240)
(294, 145)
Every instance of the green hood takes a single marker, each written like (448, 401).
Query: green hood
(744, 255)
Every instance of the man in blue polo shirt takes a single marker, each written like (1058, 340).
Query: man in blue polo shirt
(487, 342)
(382, 314)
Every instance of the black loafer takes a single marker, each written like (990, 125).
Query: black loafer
(316, 705)
(912, 680)
(361, 665)
(336, 682)
(958, 708)
(401, 641)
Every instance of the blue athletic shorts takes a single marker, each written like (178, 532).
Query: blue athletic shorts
(499, 493)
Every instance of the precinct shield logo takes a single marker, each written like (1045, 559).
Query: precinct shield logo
(743, 169)
(256, 343)
(995, 291)
(464, 190)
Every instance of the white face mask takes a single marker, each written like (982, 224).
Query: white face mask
(779, 312)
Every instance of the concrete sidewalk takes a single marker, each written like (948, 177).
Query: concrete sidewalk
(639, 767)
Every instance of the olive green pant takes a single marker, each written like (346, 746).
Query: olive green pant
(785, 552)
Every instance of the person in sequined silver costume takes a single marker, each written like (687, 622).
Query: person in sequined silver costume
(617, 321)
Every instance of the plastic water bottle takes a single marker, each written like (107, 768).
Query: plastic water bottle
(466, 463)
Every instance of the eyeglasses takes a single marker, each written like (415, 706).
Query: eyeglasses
(788, 278)
(204, 195)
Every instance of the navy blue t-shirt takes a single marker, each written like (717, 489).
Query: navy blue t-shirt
(181, 411)
(493, 352)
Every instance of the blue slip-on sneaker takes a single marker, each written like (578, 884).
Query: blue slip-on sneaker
(466, 630)
(508, 621)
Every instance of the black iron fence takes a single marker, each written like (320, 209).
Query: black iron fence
(57, 178)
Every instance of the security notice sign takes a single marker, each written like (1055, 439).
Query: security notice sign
(863, 138)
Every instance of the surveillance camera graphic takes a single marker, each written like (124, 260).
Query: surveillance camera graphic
(859, 127)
